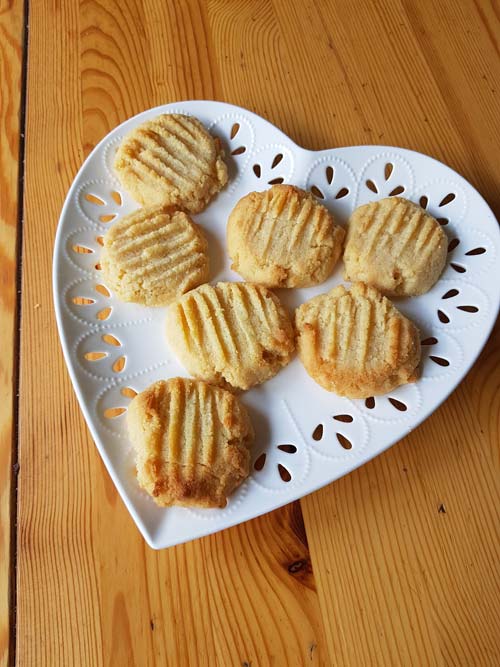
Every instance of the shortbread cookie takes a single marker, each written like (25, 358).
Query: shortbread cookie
(234, 334)
(192, 442)
(356, 343)
(173, 160)
(283, 238)
(396, 246)
(153, 256)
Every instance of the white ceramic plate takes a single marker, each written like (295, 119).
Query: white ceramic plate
(455, 317)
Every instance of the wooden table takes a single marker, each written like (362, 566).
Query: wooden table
(395, 564)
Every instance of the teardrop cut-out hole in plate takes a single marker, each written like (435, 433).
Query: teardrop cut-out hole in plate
(399, 405)
(117, 198)
(257, 170)
(450, 294)
(343, 192)
(100, 240)
(284, 474)
(82, 250)
(102, 289)
(371, 186)
(239, 151)
(108, 217)
(288, 449)
(388, 169)
(128, 392)
(370, 402)
(94, 199)
(318, 432)
(468, 309)
(443, 221)
(277, 160)
(111, 340)
(317, 192)
(453, 244)
(112, 413)
(83, 301)
(104, 314)
(443, 317)
(119, 365)
(260, 461)
(423, 201)
(344, 442)
(447, 200)
(347, 419)
(440, 361)
(329, 174)
(95, 356)
(398, 190)
(458, 268)
(276, 181)
(429, 341)
(476, 251)
(234, 130)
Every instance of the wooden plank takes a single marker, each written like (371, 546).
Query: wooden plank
(398, 581)
(405, 550)
(90, 591)
(11, 39)
(422, 587)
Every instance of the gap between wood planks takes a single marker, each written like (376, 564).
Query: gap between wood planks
(17, 340)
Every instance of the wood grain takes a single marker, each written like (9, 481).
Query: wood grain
(388, 577)
(90, 591)
(424, 582)
(11, 37)
(421, 585)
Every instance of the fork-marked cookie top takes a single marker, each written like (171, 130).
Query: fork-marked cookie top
(153, 256)
(192, 442)
(232, 334)
(396, 246)
(283, 237)
(173, 160)
(356, 343)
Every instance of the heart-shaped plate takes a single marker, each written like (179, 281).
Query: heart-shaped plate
(305, 436)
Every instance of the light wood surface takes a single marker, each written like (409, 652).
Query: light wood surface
(11, 36)
(396, 564)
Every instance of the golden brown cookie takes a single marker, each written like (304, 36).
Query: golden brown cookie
(192, 442)
(172, 160)
(233, 334)
(283, 238)
(356, 343)
(396, 246)
(153, 256)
